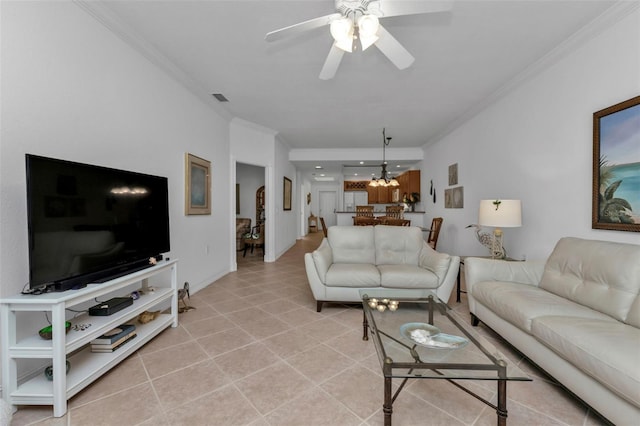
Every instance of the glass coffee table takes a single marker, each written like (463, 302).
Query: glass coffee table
(417, 336)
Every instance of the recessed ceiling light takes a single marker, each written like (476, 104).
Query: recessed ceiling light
(362, 162)
(321, 174)
(355, 174)
(318, 167)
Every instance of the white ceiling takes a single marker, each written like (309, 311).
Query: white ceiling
(462, 58)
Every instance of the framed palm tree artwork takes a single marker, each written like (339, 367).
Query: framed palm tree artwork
(616, 167)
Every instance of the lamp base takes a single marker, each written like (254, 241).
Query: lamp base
(497, 250)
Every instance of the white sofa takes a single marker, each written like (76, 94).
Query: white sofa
(577, 316)
(353, 258)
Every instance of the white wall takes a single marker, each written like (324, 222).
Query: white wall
(286, 221)
(535, 144)
(73, 90)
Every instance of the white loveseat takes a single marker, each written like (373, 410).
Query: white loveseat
(577, 316)
(352, 258)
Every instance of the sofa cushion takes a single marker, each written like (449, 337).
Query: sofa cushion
(352, 244)
(397, 245)
(602, 275)
(353, 275)
(407, 276)
(606, 351)
(519, 304)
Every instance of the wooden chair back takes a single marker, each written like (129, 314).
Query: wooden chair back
(396, 212)
(396, 222)
(364, 211)
(324, 227)
(434, 232)
(365, 221)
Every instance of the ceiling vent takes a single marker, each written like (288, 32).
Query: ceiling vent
(220, 97)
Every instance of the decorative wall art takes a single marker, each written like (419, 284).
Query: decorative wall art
(616, 167)
(287, 194)
(453, 174)
(432, 192)
(454, 198)
(197, 185)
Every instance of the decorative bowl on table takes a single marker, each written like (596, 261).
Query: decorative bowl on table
(429, 336)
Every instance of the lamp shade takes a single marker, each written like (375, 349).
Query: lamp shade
(342, 32)
(368, 27)
(500, 213)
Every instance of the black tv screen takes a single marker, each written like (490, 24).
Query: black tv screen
(88, 223)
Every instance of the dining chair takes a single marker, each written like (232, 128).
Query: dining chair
(434, 232)
(366, 221)
(324, 227)
(364, 211)
(391, 221)
(396, 212)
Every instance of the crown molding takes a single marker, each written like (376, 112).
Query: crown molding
(113, 23)
(604, 21)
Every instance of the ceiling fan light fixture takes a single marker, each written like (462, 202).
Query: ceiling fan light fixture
(342, 32)
(368, 26)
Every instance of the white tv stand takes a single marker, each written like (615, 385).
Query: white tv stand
(86, 366)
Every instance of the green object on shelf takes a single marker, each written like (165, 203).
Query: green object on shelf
(47, 332)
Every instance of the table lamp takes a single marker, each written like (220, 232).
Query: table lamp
(499, 214)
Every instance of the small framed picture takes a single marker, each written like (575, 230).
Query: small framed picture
(287, 194)
(197, 185)
(453, 174)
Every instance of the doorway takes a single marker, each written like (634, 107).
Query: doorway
(328, 201)
(250, 207)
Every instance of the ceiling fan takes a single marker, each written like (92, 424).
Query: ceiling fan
(358, 20)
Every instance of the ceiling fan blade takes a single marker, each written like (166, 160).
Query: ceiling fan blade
(393, 50)
(332, 63)
(300, 27)
(386, 8)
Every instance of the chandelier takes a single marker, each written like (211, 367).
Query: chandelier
(384, 179)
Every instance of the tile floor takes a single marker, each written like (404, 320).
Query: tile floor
(255, 352)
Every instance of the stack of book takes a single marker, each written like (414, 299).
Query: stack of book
(113, 339)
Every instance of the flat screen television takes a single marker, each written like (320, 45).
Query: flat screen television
(89, 224)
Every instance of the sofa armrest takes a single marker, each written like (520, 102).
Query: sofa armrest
(478, 269)
(445, 267)
(434, 261)
(322, 259)
(317, 286)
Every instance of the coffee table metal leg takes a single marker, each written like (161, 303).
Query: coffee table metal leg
(502, 403)
(365, 327)
(387, 408)
(502, 394)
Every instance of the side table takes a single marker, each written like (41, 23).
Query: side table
(462, 258)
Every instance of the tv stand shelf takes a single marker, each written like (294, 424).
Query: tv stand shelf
(86, 366)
